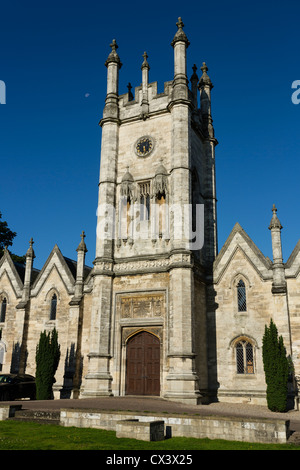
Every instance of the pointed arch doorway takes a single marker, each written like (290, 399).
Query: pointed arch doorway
(143, 365)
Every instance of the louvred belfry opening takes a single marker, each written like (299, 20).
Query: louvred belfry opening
(143, 365)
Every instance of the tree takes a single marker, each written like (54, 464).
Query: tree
(6, 239)
(6, 235)
(47, 360)
(276, 367)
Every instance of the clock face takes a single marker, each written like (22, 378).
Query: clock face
(144, 146)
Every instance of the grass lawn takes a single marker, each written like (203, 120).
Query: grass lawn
(35, 436)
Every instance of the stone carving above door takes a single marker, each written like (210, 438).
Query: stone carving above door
(146, 305)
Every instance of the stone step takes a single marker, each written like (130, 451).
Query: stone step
(38, 416)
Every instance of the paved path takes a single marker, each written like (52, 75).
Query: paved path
(159, 405)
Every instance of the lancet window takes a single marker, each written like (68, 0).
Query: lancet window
(3, 310)
(53, 307)
(241, 296)
(244, 357)
(144, 195)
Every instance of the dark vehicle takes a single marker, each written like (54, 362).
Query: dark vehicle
(14, 386)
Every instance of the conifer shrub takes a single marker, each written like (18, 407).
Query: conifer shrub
(47, 360)
(276, 367)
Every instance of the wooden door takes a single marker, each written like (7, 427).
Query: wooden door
(143, 365)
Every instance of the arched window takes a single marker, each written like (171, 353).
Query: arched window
(241, 296)
(244, 357)
(145, 200)
(3, 310)
(162, 212)
(53, 307)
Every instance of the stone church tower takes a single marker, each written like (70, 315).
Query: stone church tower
(162, 312)
(157, 209)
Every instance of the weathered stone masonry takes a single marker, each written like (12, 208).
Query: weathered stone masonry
(156, 314)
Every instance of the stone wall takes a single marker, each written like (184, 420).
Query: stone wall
(212, 427)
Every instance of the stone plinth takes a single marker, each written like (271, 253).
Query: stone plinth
(135, 429)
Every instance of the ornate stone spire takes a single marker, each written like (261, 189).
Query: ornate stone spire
(127, 185)
(145, 63)
(27, 277)
(30, 252)
(82, 245)
(279, 282)
(130, 95)
(160, 183)
(161, 170)
(205, 86)
(194, 83)
(194, 76)
(180, 34)
(127, 176)
(81, 250)
(205, 80)
(180, 82)
(145, 80)
(113, 65)
(113, 56)
(275, 221)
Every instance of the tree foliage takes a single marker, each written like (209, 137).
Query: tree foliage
(6, 239)
(47, 360)
(276, 367)
(6, 235)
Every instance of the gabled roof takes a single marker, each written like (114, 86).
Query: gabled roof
(72, 264)
(238, 239)
(64, 268)
(14, 271)
(292, 266)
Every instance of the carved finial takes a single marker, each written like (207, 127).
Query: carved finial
(30, 252)
(82, 246)
(204, 68)
(128, 176)
(145, 63)
(275, 221)
(194, 76)
(180, 24)
(205, 80)
(113, 56)
(5, 249)
(180, 34)
(130, 95)
(114, 46)
(161, 170)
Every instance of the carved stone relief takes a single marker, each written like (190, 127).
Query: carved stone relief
(147, 305)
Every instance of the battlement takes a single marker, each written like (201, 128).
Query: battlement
(130, 105)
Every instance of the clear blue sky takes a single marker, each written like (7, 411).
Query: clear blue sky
(52, 62)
